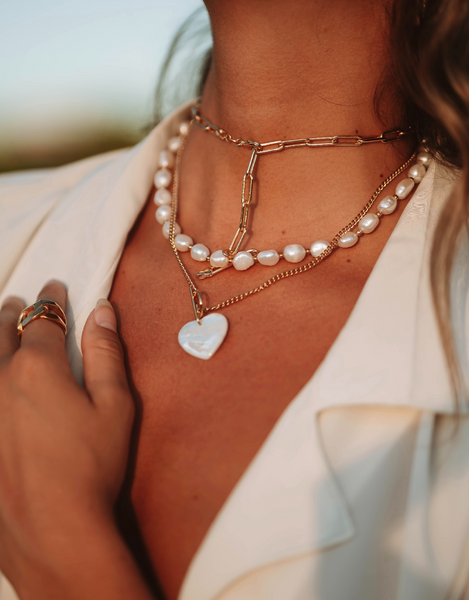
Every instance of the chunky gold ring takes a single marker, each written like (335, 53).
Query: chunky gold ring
(42, 309)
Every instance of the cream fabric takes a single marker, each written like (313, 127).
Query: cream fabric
(361, 491)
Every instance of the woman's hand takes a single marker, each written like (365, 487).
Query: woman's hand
(63, 449)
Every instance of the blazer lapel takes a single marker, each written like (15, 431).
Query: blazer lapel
(288, 502)
(390, 352)
(82, 239)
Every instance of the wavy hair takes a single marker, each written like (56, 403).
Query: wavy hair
(431, 57)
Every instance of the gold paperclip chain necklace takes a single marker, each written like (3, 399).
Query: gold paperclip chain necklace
(199, 309)
(311, 142)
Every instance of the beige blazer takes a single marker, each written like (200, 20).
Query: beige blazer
(361, 491)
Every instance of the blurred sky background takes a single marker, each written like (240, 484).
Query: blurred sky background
(78, 76)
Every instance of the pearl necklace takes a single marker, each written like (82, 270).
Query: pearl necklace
(203, 337)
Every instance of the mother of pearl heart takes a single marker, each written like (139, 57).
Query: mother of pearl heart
(202, 339)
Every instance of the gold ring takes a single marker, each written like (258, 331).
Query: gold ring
(42, 309)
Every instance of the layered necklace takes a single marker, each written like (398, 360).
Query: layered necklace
(203, 336)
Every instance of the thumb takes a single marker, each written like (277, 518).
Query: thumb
(103, 359)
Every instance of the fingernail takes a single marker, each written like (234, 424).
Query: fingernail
(104, 315)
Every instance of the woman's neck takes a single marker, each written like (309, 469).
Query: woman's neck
(285, 69)
(296, 68)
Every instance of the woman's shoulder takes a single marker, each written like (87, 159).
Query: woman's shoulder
(28, 199)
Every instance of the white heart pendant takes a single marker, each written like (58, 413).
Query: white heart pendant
(203, 340)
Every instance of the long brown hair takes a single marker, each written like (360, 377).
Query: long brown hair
(429, 59)
(430, 46)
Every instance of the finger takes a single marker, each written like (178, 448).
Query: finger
(43, 332)
(9, 313)
(103, 360)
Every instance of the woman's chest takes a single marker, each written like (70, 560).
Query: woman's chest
(202, 422)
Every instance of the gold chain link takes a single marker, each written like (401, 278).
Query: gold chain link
(200, 310)
(311, 142)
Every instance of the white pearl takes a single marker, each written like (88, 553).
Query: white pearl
(162, 178)
(183, 242)
(318, 248)
(174, 143)
(162, 196)
(387, 205)
(424, 158)
(294, 253)
(218, 259)
(369, 223)
(184, 128)
(177, 229)
(166, 159)
(200, 252)
(163, 214)
(404, 188)
(348, 240)
(417, 172)
(268, 258)
(242, 261)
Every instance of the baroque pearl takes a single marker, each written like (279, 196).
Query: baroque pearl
(268, 258)
(166, 159)
(177, 229)
(184, 128)
(162, 196)
(348, 240)
(404, 188)
(369, 223)
(423, 158)
(218, 259)
(318, 248)
(294, 253)
(183, 242)
(242, 261)
(162, 178)
(174, 143)
(200, 252)
(417, 172)
(387, 205)
(163, 214)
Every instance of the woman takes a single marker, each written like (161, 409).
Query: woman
(315, 455)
